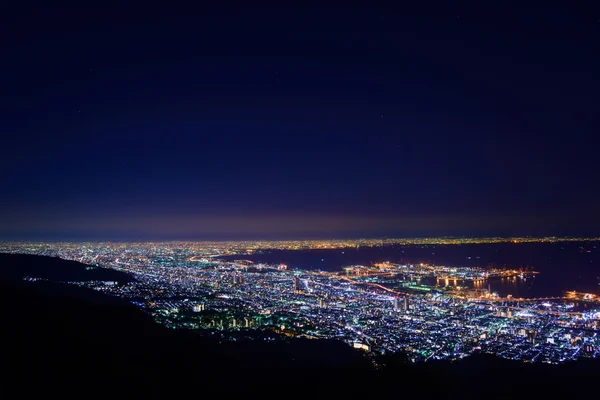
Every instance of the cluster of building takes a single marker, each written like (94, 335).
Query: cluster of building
(184, 285)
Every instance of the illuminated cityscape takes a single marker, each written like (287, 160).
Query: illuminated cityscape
(390, 200)
(427, 311)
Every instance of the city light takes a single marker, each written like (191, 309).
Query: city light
(425, 310)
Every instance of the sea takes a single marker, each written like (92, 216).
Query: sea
(562, 266)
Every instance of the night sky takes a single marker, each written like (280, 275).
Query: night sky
(137, 122)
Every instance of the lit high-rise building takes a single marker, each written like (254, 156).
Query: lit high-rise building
(198, 307)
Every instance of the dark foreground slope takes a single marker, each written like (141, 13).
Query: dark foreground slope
(60, 339)
(64, 338)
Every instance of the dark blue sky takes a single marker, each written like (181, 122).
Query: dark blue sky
(166, 123)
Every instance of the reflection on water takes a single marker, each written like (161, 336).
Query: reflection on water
(562, 266)
(515, 286)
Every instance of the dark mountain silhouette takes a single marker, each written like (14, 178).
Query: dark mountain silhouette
(65, 340)
(16, 266)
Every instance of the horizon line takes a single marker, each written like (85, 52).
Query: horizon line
(499, 238)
